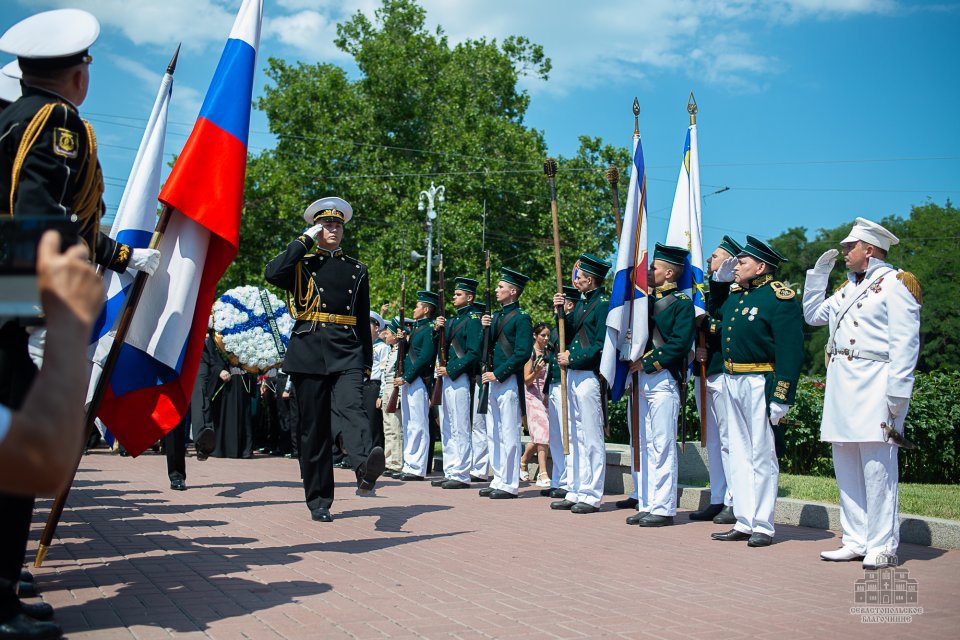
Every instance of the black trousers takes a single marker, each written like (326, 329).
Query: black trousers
(17, 373)
(371, 391)
(289, 415)
(175, 448)
(322, 401)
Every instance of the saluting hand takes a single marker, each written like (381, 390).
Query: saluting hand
(825, 262)
(725, 272)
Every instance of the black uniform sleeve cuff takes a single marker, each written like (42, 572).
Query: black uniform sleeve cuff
(121, 258)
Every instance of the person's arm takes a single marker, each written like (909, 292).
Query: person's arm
(282, 270)
(45, 436)
(903, 326)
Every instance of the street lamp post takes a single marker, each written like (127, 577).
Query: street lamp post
(427, 199)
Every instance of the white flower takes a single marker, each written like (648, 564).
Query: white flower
(239, 317)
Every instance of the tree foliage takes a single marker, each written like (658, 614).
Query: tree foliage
(930, 239)
(421, 112)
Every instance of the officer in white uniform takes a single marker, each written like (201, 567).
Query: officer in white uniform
(874, 319)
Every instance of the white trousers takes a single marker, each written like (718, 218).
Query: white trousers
(503, 434)
(560, 472)
(868, 479)
(588, 455)
(480, 464)
(415, 405)
(754, 471)
(455, 423)
(718, 443)
(655, 482)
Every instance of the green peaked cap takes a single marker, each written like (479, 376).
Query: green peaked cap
(594, 266)
(756, 248)
(731, 246)
(513, 277)
(571, 293)
(466, 284)
(429, 297)
(673, 255)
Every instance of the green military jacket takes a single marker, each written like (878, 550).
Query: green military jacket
(676, 326)
(761, 331)
(717, 294)
(586, 328)
(517, 331)
(464, 335)
(421, 351)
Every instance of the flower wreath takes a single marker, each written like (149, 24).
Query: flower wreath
(253, 337)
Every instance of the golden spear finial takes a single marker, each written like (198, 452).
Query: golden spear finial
(636, 116)
(692, 109)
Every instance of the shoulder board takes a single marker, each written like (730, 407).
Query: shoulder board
(354, 261)
(783, 291)
(682, 296)
(735, 287)
(841, 285)
(912, 284)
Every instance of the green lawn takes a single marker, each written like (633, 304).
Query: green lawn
(933, 500)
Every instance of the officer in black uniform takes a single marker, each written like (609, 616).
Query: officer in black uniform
(330, 352)
(48, 167)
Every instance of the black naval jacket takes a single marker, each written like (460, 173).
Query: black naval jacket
(341, 286)
(60, 174)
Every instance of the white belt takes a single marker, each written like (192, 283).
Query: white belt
(857, 353)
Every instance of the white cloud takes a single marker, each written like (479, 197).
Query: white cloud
(188, 100)
(306, 31)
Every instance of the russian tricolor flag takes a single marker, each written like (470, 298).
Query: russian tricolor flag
(150, 389)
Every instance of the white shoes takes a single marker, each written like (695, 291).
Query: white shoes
(543, 480)
(524, 476)
(843, 554)
(879, 560)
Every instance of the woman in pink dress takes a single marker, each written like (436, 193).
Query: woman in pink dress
(534, 374)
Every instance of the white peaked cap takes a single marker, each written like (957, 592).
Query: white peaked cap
(871, 233)
(10, 82)
(51, 34)
(338, 208)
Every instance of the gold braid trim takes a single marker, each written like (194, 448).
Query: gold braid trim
(304, 301)
(842, 285)
(89, 196)
(30, 135)
(912, 284)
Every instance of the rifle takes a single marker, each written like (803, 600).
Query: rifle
(436, 397)
(394, 401)
(484, 398)
(702, 342)
(550, 168)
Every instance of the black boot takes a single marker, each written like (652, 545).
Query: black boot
(707, 513)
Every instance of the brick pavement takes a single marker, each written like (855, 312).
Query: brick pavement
(237, 556)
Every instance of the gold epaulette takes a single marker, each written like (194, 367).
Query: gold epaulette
(841, 285)
(912, 284)
(783, 292)
(735, 287)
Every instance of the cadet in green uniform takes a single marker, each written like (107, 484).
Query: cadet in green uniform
(417, 381)
(671, 330)
(720, 509)
(761, 334)
(560, 470)
(480, 463)
(512, 338)
(330, 352)
(463, 337)
(587, 327)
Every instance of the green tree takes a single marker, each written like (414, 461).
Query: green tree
(422, 111)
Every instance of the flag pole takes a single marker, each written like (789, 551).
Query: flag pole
(550, 168)
(126, 319)
(701, 336)
(635, 376)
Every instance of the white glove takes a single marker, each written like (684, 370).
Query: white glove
(826, 261)
(777, 411)
(314, 231)
(145, 260)
(896, 406)
(724, 272)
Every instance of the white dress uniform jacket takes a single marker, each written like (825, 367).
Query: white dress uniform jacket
(876, 341)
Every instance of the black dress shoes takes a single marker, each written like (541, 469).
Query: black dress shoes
(372, 468)
(558, 493)
(725, 517)
(26, 576)
(562, 505)
(653, 520)
(37, 610)
(485, 492)
(759, 540)
(410, 477)
(205, 443)
(637, 517)
(178, 485)
(627, 503)
(25, 627)
(437, 482)
(546, 493)
(707, 513)
(479, 479)
(583, 507)
(500, 494)
(731, 536)
(321, 514)
(27, 589)
(454, 484)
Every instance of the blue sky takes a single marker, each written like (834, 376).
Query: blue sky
(812, 112)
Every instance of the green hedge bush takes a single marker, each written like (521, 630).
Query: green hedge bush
(932, 424)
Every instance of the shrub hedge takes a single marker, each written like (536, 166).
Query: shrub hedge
(932, 424)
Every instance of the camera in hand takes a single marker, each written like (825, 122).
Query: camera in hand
(19, 237)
